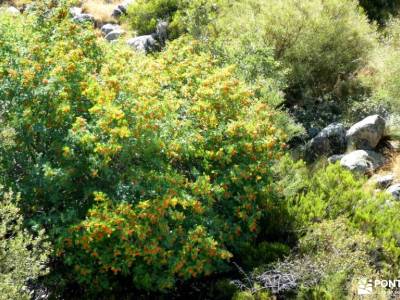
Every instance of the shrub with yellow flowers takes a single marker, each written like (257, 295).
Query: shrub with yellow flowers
(153, 168)
(45, 64)
(181, 153)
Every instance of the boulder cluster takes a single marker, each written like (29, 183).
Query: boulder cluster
(355, 149)
(11, 10)
(112, 32)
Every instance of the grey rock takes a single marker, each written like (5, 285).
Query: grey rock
(144, 43)
(394, 145)
(75, 11)
(394, 190)
(113, 35)
(126, 3)
(383, 181)
(312, 132)
(107, 28)
(366, 134)
(331, 140)
(84, 18)
(362, 161)
(121, 9)
(13, 10)
(334, 158)
(116, 13)
(161, 32)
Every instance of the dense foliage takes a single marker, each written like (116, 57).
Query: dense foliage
(205, 147)
(181, 169)
(381, 75)
(171, 154)
(333, 193)
(182, 15)
(321, 42)
(23, 257)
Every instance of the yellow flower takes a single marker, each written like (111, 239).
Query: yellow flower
(144, 204)
(65, 108)
(66, 151)
(13, 74)
(99, 196)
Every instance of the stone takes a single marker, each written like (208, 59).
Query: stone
(75, 11)
(383, 181)
(121, 9)
(144, 43)
(13, 10)
(331, 140)
(116, 13)
(161, 32)
(335, 158)
(394, 145)
(107, 28)
(366, 134)
(84, 18)
(312, 132)
(394, 190)
(362, 161)
(114, 35)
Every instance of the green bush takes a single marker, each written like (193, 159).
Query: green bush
(183, 16)
(151, 169)
(330, 192)
(46, 63)
(382, 73)
(349, 252)
(330, 259)
(321, 42)
(143, 15)
(23, 257)
(205, 146)
(334, 192)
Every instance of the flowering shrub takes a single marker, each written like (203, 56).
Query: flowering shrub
(151, 168)
(44, 66)
(184, 152)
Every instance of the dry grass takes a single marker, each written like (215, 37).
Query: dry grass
(392, 167)
(100, 9)
(396, 167)
(16, 3)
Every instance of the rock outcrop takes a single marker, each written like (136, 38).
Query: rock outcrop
(121, 9)
(75, 11)
(366, 134)
(394, 190)
(144, 43)
(383, 181)
(107, 28)
(335, 158)
(151, 42)
(13, 10)
(114, 35)
(331, 140)
(362, 161)
(81, 18)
